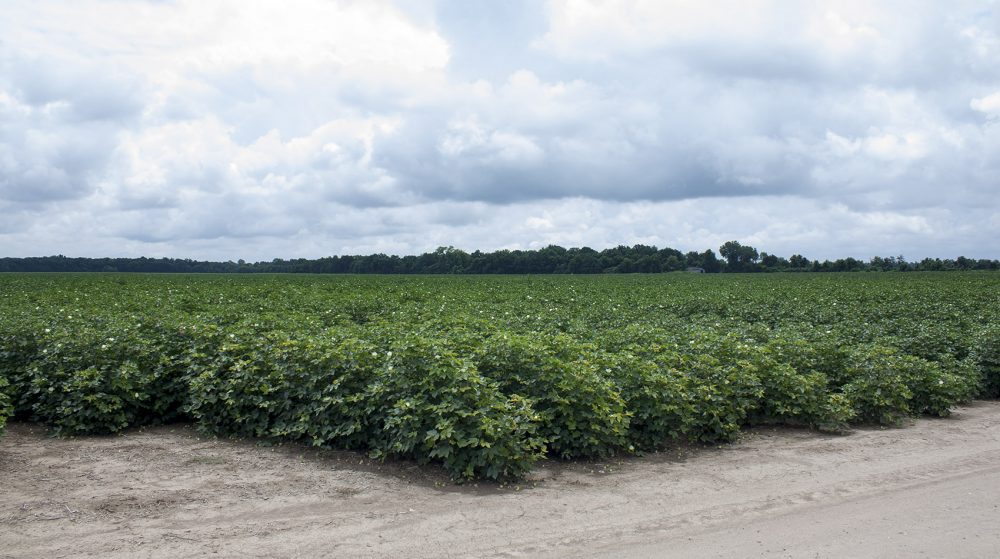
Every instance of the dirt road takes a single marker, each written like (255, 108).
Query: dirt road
(931, 489)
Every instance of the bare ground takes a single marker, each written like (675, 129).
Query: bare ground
(930, 489)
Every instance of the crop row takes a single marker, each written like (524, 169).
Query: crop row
(480, 377)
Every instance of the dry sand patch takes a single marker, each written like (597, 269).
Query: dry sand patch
(931, 488)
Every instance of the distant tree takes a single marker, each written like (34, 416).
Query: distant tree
(769, 260)
(672, 264)
(798, 262)
(693, 259)
(552, 259)
(739, 258)
(648, 264)
(880, 264)
(710, 263)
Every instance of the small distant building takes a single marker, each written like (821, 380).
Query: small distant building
(695, 270)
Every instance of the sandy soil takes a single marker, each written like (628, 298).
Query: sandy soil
(931, 489)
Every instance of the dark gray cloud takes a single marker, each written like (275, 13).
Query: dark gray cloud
(73, 90)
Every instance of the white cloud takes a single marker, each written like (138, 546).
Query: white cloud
(890, 146)
(745, 31)
(468, 138)
(260, 130)
(185, 35)
(989, 104)
(840, 146)
(603, 28)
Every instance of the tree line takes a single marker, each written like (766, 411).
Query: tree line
(732, 257)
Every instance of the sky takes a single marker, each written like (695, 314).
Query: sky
(231, 129)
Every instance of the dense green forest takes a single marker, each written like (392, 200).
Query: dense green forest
(552, 259)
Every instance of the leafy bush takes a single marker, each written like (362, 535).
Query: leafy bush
(87, 382)
(416, 400)
(428, 403)
(790, 397)
(938, 386)
(244, 386)
(17, 350)
(879, 387)
(986, 356)
(657, 399)
(809, 350)
(6, 408)
(581, 413)
(797, 388)
(327, 391)
(723, 394)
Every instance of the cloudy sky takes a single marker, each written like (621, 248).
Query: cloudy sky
(226, 129)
